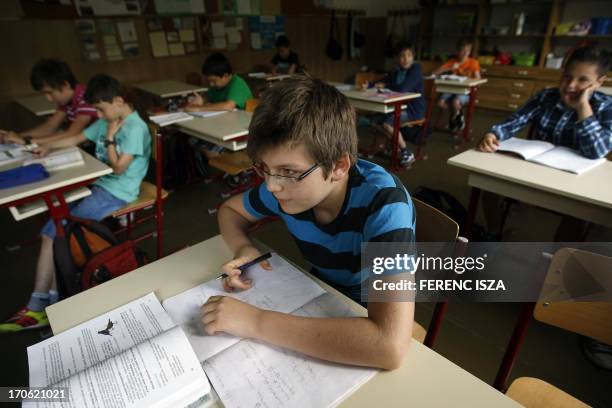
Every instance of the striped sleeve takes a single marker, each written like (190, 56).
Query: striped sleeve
(260, 203)
(83, 108)
(594, 135)
(391, 217)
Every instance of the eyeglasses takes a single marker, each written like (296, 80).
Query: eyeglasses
(283, 179)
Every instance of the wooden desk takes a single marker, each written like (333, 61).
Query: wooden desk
(37, 104)
(586, 196)
(268, 77)
(425, 379)
(467, 87)
(59, 183)
(229, 130)
(169, 88)
(372, 101)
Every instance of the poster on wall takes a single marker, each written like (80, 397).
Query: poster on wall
(109, 39)
(264, 31)
(180, 7)
(172, 36)
(221, 33)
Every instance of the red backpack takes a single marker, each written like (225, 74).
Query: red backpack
(87, 253)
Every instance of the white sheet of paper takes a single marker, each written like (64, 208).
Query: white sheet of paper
(233, 36)
(284, 289)
(127, 31)
(256, 41)
(159, 46)
(218, 29)
(255, 374)
(564, 158)
(525, 148)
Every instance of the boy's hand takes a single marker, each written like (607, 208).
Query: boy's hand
(488, 143)
(11, 137)
(195, 99)
(235, 280)
(229, 315)
(41, 151)
(113, 128)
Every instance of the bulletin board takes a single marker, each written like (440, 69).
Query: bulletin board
(172, 36)
(108, 39)
(222, 33)
(264, 31)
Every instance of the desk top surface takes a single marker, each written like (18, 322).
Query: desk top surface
(590, 187)
(226, 126)
(419, 381)
(93, 168)
(169, 88)
(468, 83)
(37, 104)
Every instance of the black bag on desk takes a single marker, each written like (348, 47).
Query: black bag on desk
(333, 49)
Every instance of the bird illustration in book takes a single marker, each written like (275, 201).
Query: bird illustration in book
(109, 326)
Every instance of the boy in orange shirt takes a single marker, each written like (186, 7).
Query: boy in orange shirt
(462, 65)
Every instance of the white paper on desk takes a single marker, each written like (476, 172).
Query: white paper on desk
(207, 114)
(170, 118)
(564, 158)
(452, 77)
(59, 159)
(284, 289)
(527, 149)
(135, 348)
(253, 374)
(10, 153)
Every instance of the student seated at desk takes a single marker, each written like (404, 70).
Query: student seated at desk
(227, 91)
(123, 142)
(303, 141)
(285, 61)
(462, 65)
(574, 115)
(406, 77)
(56, 81)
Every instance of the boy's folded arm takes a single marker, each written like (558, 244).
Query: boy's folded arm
(380, 340)
(594, 136)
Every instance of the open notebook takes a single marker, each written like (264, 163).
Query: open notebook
(541, 152)
(59, 159)
(133, 356)
(249, 373)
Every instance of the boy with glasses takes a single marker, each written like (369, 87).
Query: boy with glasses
(331, 203)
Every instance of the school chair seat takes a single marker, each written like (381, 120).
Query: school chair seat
(413, 123)
(232, 163)
(535, 393)
(146, 198)
(567, 271)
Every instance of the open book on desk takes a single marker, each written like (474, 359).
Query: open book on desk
(547, 154)
(133, 356)
(249, 373)
(59, 159)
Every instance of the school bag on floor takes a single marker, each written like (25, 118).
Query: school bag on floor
(87, 253)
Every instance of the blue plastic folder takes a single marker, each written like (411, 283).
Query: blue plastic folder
(22, 175)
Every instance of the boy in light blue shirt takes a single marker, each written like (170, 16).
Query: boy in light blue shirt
(123, 142)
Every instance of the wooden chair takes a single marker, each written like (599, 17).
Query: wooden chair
(591, 319)
(151, 195)
(435, 226)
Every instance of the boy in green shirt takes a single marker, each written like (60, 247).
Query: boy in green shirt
(227, 91)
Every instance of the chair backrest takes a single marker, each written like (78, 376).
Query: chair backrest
(433, 225)
(193, 78)
(251, 104)
(579, 272)
(361, 77)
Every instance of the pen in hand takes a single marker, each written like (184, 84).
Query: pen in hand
(247, 265)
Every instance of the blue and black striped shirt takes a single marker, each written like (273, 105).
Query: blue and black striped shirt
(376, 208)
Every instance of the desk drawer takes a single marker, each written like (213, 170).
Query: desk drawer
(498, 104)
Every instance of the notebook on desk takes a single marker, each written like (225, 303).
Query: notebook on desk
(166, 119)
(59, 159)
(547, 154)
(246, 372)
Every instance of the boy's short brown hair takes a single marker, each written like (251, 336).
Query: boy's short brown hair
(309, 111)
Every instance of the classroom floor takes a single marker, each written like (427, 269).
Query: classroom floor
(474, 336)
